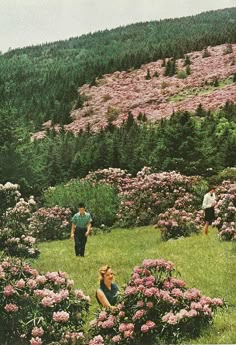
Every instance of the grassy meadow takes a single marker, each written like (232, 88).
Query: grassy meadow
(203, 262)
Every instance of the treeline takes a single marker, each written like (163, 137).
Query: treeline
(202, 143)
(41, 82)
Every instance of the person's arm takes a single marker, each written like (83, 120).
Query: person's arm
(205, 201)
(72, 230)
(214, 202)
(89, 228)
(102, 299)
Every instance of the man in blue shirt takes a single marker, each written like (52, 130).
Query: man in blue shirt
(80, 229)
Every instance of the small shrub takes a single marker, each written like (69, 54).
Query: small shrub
(106, 97)
(181, 74)
(113, 113)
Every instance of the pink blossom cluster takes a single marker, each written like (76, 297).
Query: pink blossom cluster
(11, 308)
(36, 341)
(45, 299)
(154, 304)
(97, 340)
(61, 316)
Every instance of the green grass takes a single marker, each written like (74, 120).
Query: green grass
(203, 261)
(197, 91)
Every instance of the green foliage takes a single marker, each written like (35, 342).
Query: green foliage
(187, 61)
(188, 70)
(228, 174)
(181, 74)
(148, 76)
(170, 69)
(206, 53)
(101, 200)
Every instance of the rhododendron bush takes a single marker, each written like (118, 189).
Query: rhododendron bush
(226, 211)
(9, 195)
(176, 223)
(155, 306)
(15, 236)
(50, 223)
(143, 197)
(38, 308)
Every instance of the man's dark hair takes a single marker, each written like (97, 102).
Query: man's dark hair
(81, 205)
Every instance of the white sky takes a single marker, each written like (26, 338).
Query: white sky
(30, 22)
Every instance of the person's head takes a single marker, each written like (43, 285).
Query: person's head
(81, 208)
(211, 189)
(106, 274)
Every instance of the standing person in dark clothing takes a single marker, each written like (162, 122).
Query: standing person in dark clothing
(209, 202)
(80, 229)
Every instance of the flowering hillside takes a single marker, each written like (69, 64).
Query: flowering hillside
(209, 81)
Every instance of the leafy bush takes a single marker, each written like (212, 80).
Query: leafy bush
(143, 198)
(228, 174)
(39, 308)
(225, 211)
(181, 74)
(155, 306)
(9, 195)
(50, 223)
(15, 236)
(100, 199)
(176, 223)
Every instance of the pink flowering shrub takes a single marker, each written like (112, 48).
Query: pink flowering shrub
(50, 223)
(143, 198)
(176, 223)
(155, 306)
(38, 308)
(15, 236)
(112, 176)
(225, 211)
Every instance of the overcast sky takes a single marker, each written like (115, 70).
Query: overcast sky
(30, 22)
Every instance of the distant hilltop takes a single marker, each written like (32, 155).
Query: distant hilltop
(157, 90)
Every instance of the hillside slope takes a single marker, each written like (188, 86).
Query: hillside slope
(148, 91)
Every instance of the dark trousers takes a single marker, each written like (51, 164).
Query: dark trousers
(80, 241)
